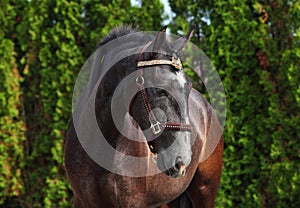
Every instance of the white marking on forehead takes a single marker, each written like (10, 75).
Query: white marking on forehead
(181, 78)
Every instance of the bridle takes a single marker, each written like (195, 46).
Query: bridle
(155, 125)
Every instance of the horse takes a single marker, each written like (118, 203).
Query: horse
(162, 120)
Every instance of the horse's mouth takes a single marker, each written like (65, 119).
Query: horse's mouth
(176, 172)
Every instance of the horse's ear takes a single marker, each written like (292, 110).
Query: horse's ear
(159, 40)
(179, 44)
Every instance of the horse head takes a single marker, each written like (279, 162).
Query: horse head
(161, 105)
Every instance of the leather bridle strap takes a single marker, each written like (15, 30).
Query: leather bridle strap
(155, 125)
(174, 62)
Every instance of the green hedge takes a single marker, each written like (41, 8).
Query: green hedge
(12, 125)
(43, 45)
(42, 48)
(258, 60)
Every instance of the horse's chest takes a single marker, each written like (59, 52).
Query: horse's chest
(154, 191)
(162, 189)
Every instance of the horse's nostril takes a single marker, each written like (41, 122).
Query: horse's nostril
(178, 159)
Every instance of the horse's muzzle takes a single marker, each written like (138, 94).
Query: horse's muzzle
(178, 170)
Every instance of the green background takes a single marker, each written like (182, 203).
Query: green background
(255, 46)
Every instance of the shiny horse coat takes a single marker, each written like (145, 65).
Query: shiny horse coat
(200, 151)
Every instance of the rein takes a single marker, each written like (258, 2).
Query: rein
(155, 125)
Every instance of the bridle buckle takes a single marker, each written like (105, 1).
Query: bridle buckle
(176, 63)
(155, 127)
(140, 81)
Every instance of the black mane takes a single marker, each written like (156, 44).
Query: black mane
(116, 33)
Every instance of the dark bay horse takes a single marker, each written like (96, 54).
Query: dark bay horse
(157, 125)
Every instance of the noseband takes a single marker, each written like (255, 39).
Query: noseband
(155, 125)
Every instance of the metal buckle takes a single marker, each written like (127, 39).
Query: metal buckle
(140, 80)
(155, 127)
(176, 63)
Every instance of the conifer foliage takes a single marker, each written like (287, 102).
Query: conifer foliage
(43, 44)
(253, 44)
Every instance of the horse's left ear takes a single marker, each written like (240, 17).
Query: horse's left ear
(179, 44)
(159, 40)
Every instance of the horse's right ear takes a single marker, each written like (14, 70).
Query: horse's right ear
(159, 40)
(181, 42)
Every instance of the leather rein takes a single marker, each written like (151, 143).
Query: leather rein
(155, 125)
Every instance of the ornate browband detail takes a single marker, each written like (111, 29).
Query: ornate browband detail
(174, 62)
